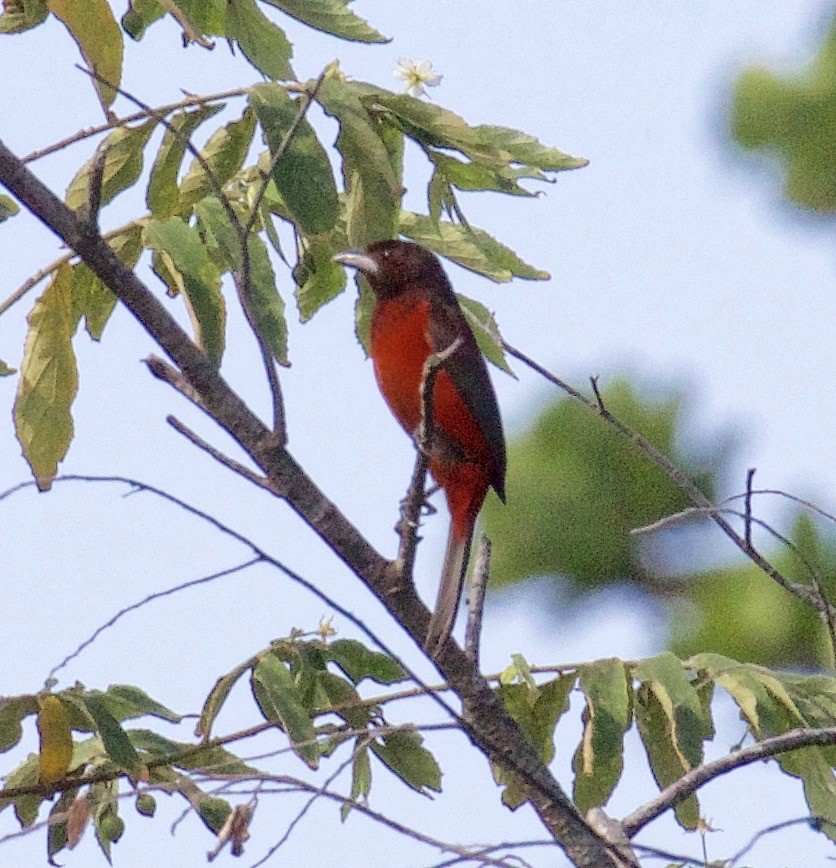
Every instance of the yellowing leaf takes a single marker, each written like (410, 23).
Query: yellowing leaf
(48, 381)
(95, 31)
(56, 740)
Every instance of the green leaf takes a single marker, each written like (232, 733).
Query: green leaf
(122, 165)
(330, 16)
(264, 302)
(6, 370)
(8, 207)
(48, 381)
(224, 154)
(519, 147)
(598, 761)
(208, 17)
(95, 31)
(371, 162)
(469, 247)
(213, 812)
(217, 697)
(361, 779)
(280, 702)
(303, 174)
(476, 176)
(201, 280)
(261, 41)
(318, 278)
(25, 775)
(359, 662)
(21, 15)
(687, 724)
(537, 710)
(343, 699)
(402, 752)
(486, 331)
(221, 238)
(115, 739)
(126, 702)
(163, 194)
(140, 15)
(12, 711)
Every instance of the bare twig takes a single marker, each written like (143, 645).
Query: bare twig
(416, 496)
(691, 781)
(814, 822)
(476, 599)
(747, 507)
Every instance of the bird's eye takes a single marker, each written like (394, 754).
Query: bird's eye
(386, 254)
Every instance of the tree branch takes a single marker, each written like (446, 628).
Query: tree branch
(691, 781)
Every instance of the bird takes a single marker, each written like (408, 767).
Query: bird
(417, 316)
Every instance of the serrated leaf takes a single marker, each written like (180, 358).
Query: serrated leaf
(21, 15)
(262, 42)
(217, 697)
(8, 207)
(140, 15)
(95, 31)
(361, 779)
(115, 739)
(486, 331)
(201, 280)
(359, 662)
(265, 305)
(371, 162)
(48, 381)
(12, 711)
(281, 703)
(163, 194)
(469, 247)
(402, 753)
(303, 174)
(224, 154)
(122, 165)
(25, 807)
(318, 278)
(330, 16)
(598, 761)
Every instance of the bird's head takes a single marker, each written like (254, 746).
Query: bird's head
(392, 267)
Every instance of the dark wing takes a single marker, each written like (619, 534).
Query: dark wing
(469, 373)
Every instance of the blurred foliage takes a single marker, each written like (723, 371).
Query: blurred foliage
(794, 118)
(577, 489)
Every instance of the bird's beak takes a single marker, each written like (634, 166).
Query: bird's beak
(357, 259)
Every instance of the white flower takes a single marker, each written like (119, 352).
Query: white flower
(417, 74)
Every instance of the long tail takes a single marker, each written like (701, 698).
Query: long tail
(449, 589)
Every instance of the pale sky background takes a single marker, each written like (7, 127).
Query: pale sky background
(671, 258)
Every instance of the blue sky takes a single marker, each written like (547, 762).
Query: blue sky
(671, 258)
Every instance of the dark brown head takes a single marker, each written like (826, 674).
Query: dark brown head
(392, 267)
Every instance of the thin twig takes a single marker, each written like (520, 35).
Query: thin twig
(814, 822)
(691, 781)
(747, 507)
(476, 599)
(799, 500)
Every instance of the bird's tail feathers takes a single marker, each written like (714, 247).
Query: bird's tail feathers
(449, 590)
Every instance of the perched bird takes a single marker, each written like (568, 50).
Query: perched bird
(416, 316)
